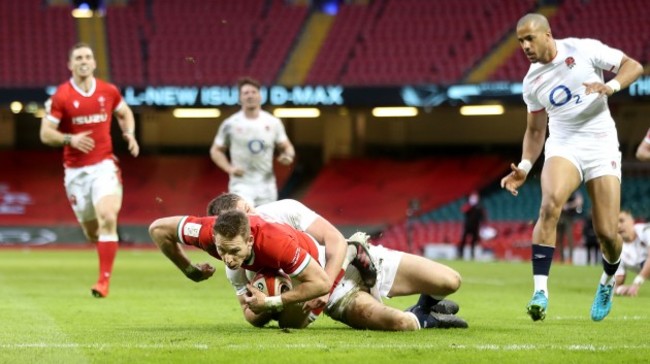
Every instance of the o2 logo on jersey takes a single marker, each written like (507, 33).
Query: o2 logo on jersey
(561, 95)
(256, 146)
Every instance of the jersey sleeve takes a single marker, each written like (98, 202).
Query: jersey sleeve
(222, 139)
(301, 215)
(117, 96)
(645, 234)
(54, 107)
(294, 259)
(532, 104)
(238, 279)
(604, 56)
(280, 132)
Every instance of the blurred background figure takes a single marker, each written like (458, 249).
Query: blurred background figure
(590, 240)
(571, 210)
(250, 138)
(634, 257)
(474, 216)
(643, 150)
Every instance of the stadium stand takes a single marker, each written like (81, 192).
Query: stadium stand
(378, 191)
(185, 47)
(34, 43)
(382, 44)
(584, 19)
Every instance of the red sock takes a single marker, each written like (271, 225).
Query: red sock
(106, 251)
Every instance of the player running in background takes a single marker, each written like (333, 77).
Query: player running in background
(79, 118)
(643, 151)
(634, 258)
(250, 137)
(565, 84)
(399, 274)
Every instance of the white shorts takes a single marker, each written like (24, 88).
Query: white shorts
(593, 156)
(255, 194)
(387, 262)
(87, 185)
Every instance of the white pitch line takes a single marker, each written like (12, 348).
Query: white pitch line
(343, 346)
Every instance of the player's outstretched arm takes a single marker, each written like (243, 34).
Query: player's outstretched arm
(163, 233)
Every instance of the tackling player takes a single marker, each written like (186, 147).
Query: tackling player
(358, 303)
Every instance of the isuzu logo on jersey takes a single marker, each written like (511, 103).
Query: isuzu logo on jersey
(570, 62)
(90, 119)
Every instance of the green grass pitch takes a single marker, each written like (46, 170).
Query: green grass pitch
(155, 315)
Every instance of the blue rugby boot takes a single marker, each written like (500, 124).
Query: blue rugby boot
(537, 306)
(602, 302)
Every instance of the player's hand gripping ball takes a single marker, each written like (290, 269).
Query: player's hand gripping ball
(272, 283)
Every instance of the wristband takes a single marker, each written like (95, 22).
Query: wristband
(273, 303)
(129, 132)
(67, 138)
(614, 85)
(638, 280)
(192, 272)
(526, 165)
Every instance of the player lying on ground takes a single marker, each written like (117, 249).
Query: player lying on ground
(268, 243)
(634, 257)
(399, 274)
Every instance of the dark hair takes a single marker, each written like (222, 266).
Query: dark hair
(248, 81)
(628, 211)
(231, 224)
(77, 46)
(224, 202)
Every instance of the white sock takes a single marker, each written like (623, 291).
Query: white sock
(605, 279)
(541, 283)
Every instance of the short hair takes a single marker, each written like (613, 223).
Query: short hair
(248, 81)
(231, 224)
(224, 202)
(77, 46)
(628, 211)
(536, 19)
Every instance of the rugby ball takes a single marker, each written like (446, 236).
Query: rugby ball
(272, 283)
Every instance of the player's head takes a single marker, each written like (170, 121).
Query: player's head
(535, 38)
(226, 202)
(81, 60)
(626, 225)
(232, 237)
(249, 93)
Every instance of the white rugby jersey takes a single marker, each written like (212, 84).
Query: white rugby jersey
(558, 87)
(251, 143)
(290, 212)
(635, 253)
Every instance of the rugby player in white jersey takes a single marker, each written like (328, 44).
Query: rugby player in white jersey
(250, 137)
(354, 302)
(565, 85)
(634, 257)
